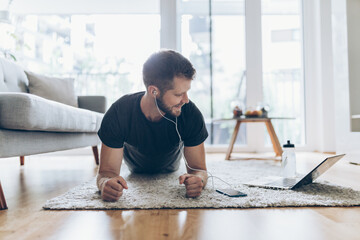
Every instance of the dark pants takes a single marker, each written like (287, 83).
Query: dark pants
(162, 163)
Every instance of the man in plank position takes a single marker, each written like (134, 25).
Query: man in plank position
(151, 129)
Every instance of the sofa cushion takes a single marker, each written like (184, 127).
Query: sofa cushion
(57, 89)
(25, 111)
(12, 77)
(93, 103)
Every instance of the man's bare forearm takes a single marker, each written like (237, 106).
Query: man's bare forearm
(110, 164)
(195, 157)
(109, 174)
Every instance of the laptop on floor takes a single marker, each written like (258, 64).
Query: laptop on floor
(275, 182)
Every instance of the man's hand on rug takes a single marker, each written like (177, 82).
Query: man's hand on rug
(193, 184)
(113, 189)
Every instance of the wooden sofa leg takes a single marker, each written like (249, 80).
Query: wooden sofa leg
(96, 154)
(22, 160)
(2, 199)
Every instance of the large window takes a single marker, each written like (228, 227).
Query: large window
(104, 53)
(283, 82)
(213, 36)
(215, 43)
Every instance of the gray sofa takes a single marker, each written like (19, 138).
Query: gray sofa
(32, 124)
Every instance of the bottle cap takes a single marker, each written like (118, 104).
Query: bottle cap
(288, 145)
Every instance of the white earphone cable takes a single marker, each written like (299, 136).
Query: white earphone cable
(182, 151)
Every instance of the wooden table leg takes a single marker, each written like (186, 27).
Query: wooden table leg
(232, 140)
(2, 199)
(274, 138)
(96, 154)
(22, 160)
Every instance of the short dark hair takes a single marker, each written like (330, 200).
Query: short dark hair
(162, 66)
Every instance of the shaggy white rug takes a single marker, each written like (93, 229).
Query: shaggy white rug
(164, 191)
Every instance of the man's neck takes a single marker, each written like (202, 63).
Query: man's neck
(149, 109)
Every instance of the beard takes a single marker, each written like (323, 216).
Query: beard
(167, 109)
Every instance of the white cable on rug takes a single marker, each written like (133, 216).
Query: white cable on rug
(182, 151)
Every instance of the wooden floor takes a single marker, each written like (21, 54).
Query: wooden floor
(43, 177)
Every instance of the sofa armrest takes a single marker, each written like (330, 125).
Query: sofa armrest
(93, 103)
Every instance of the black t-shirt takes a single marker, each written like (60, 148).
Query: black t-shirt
(125, 123)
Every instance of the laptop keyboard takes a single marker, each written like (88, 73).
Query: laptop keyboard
(286, 182)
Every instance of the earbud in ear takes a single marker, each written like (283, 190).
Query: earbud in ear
(155, 92)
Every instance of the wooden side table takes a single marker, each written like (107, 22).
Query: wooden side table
(2, 199)
(274, 139)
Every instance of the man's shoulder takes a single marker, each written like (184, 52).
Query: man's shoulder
(127, 99)
(190, 110)
(190, 107)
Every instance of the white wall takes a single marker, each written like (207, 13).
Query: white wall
(353, 20)
(319, 81)
(329, 57)
(327, 79)
(346, 141)
(168, 21)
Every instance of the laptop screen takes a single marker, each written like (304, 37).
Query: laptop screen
(320, 169)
